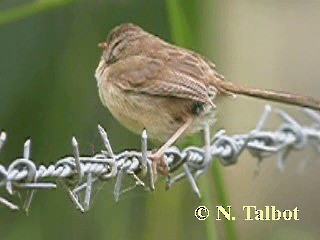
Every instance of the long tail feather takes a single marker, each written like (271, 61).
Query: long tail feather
(271, 95)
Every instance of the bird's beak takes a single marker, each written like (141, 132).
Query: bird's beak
(102, 45)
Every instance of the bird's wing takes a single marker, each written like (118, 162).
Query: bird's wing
(166, 78)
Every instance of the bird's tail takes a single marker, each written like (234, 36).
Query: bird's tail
(271, 95)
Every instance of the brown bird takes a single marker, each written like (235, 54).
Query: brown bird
(170, 91)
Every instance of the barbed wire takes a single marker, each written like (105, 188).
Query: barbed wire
(79, 174)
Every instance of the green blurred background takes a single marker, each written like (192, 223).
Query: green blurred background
(48, 92)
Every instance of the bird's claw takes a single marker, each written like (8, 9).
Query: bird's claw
(159, 164)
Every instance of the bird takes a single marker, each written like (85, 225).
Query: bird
(167, 90)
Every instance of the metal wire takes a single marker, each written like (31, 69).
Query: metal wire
(79, 174)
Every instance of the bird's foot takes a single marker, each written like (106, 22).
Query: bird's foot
(159, 164)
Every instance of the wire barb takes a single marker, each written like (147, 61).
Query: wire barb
(78, 175)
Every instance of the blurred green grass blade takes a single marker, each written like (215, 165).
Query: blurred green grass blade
(181, 15)
(221, 195)
(180, 23)
(182, 35)
(30, 9)
(207, 200)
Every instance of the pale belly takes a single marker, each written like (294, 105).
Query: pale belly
(139, 112)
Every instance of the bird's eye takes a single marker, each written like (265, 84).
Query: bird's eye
(112, 59)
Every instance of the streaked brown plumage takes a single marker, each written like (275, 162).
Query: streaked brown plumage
(147, 83)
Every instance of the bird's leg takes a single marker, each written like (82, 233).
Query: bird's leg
(158, 157)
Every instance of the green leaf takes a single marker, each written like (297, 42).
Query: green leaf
(30, 9)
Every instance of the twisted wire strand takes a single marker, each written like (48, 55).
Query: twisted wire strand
(78, 174)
